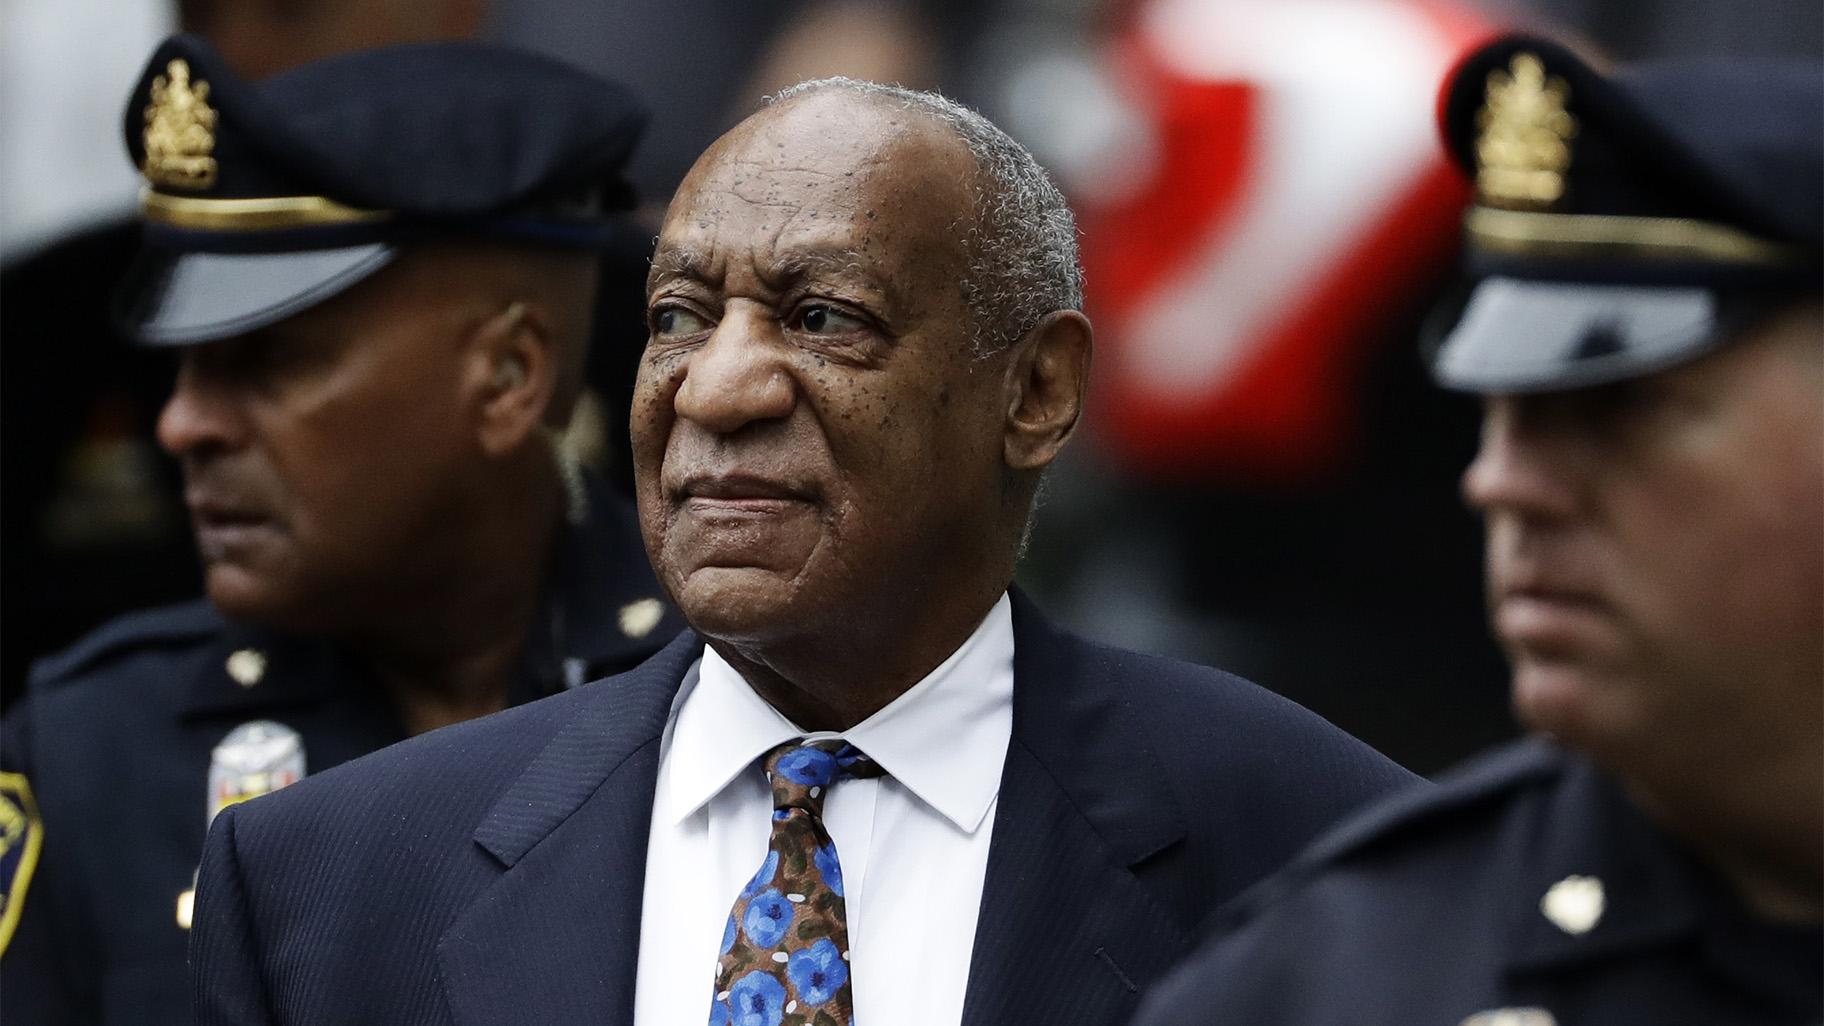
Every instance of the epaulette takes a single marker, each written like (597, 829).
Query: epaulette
(164, 625)
(1483, 781)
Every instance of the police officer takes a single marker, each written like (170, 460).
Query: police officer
(1645, 331)
(377, 272)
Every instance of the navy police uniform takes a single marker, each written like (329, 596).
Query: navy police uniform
(264, 199)
(1624, 224)
(1525, 890)
(117, 738)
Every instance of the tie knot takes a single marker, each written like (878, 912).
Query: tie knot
(802, 773)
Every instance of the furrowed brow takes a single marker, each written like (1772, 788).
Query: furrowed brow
(676, 262)
(830, 265)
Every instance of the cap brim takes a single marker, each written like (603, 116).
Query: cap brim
(172, 299)
(1540, 336)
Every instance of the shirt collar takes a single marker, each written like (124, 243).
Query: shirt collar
(944, 740)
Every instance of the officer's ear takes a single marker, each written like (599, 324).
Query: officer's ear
(1047, 376)
(512, 376)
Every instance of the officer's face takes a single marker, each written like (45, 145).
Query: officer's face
(814, 448)
(1654, 555)
(317, 452)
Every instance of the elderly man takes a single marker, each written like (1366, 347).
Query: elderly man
(872, 785)
(378, 277)
(1646, 333)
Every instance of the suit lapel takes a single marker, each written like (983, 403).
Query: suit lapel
(1067, 931)
(555, 938)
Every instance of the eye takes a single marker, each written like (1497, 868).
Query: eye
(263, 361)
(1635, 399)
(677, 320)
(823, 319)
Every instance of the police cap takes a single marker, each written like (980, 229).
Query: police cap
(263, 198)
(1625, 222)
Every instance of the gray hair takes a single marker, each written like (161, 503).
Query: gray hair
(1022, 246)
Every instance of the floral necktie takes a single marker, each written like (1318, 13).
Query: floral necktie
(785, 951)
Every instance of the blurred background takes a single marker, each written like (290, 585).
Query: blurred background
(1267, 482)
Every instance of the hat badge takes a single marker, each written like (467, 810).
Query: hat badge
(180, 130)
(1525, 142)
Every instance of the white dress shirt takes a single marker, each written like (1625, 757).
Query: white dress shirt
(913, 844)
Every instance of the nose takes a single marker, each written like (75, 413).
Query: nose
(201, 416)
(739, 376)
(1522, 466)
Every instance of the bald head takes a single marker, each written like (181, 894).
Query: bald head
(836, 178)
(1020, 235)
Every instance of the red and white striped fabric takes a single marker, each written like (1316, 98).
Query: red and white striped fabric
(1290, 194)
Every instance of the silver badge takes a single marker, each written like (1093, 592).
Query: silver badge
(253, 759)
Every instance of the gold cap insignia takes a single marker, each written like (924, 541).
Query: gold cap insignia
(1574, 904)
(1524, 147)
(247, 666)
(639, 618)
(180, 131)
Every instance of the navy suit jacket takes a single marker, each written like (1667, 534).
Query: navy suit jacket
(492, 872)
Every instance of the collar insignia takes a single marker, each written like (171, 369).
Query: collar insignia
(180, 131)
(1574, 904)
(639, 618)
(1525, 142)
(246, 666)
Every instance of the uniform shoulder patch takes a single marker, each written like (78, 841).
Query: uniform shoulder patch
(187, 622)
(21, 835)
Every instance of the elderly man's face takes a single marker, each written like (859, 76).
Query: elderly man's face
(1655, 552)
(814, 446)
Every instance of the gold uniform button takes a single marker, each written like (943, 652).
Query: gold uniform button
(247, 666)
(639, 618)
(1574, 904)
(186, 904)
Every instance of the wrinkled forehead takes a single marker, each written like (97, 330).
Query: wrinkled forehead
(830, 174)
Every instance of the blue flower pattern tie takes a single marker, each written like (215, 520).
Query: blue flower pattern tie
(785, 949)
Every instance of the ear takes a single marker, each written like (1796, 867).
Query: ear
(511, 377)
(1046, 380)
